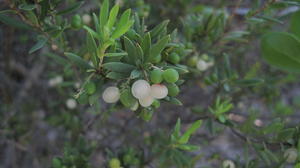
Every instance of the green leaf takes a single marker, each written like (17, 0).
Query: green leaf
(104, 13)
(249, 82)
(282, 50)
(77, 60)
(135, 74)
(158, 47)
(57, 59)
(127, 98)
(146, 45)
(123, 25)
(112, 16)
(27, 7)
(157, 30)
(295, 24)
(176, 131)
(13, 22)
(91, 31)
(92, 48)
(175, 101)
(116, 75)
(131, 50)
(186, 136)
(118, 67)
(181, 69)
(116, 54)
(188, 147)
(285, 134)
(72, 8)
(40, 43)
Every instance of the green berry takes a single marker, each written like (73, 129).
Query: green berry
(156, 59)
(174, 58)
(170, 75)
(114, 163)
(76, 22)
(192, 62)
(127, 159)
(156, 104)
(156, 76)
(173, 89)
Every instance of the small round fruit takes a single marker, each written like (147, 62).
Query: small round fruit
(202, 65)
(174, 58)
(146, 101)
(86, 19)
(291, 155)
(71, 103)
(228, 164)
(111, 94)
(156, 76)
(76, 22)
(156, 59)
(114, 163)
(170, 75)
(156, 104)
(127, 159)
(173, 89)
(192, 62)
(140, 89)
(159, 91)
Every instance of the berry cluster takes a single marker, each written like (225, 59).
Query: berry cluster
(142, 92)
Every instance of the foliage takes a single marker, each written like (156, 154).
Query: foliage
(139, 55)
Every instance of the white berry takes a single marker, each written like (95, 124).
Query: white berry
(111, 94)
(159, 91)
(71, 103)
(291, 155)
(140, 89)
(202, 65)
(86, 18)
(228, 164)
(55, 81)
(146, 101)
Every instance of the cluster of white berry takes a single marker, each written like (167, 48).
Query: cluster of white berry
(141, 90)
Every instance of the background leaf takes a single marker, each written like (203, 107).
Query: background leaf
(281, 50)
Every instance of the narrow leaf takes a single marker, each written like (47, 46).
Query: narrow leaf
(40, 43)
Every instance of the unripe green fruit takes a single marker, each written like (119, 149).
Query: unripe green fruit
(192, 62)
(156, 76)
(156, 104)
(76, 22)
(156, 59)
(127, 159)
(114, 163)
(173, 89)
(170, 75)
(174, 58)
